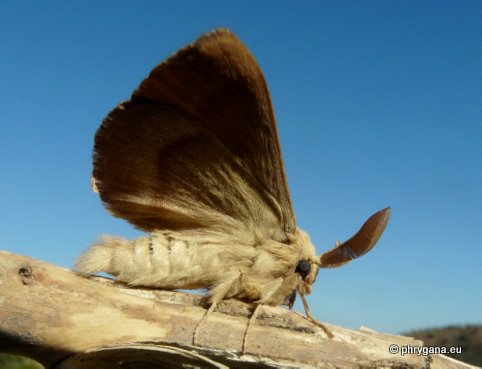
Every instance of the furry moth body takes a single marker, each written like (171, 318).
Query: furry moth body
(228, 265)
(194, 159)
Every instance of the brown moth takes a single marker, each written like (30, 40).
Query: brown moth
(194, 159)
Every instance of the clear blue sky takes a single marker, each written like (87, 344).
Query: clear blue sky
(378, 103)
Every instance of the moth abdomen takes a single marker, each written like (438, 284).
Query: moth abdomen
(158, 260)
(104, 256)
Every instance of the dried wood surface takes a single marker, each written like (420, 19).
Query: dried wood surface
(64, 320)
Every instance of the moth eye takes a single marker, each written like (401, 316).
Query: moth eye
(303, 268)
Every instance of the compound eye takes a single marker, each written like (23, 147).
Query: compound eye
(303, 268)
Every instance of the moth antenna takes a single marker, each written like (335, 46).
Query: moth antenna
(251, 321)
(362, 242)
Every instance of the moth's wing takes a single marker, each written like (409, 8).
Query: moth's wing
(362, 242)
(196, 145)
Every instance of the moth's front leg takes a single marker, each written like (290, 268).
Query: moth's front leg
(327, 331)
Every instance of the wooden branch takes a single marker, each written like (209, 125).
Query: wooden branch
(64, 320)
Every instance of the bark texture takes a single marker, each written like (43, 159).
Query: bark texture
(64, 320)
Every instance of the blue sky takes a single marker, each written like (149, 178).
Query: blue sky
(377, 102)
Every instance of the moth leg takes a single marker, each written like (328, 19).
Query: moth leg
(313, 320)
(265, 299)
(216, 295)
(203, 319)
(251, 321)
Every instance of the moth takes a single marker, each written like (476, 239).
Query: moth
(194, 159)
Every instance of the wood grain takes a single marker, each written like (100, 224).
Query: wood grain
(65, 320)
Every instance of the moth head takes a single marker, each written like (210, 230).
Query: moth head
(305, 273)
(307, 265)
(363, 241)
